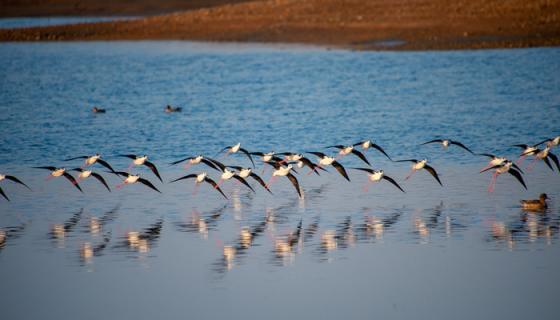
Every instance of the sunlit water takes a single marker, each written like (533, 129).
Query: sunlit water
(9, 23)
(433, 253)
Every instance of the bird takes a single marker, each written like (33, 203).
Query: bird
(421, 164)
(326, 160)
(228, 174)
(199, 178)
(552, 142)
(377, 175)
(57, 172)
(544, 155)
(84, 174)
(142, 160)
(98, 110)
(236, 148)
(300, 161)
(446, 142)
(281, 171)
(196, 160)
(268, 156)
(132, 178)
(344, 150)
(535, 205)
(11, 178)
(527, 151)
(170, 109)
(506, 166)
(247, 172)
(366, 144)
(90, 160)
(497, 160)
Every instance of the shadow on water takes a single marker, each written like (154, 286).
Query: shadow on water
(201, 223)
(140, 241)
(8, 234)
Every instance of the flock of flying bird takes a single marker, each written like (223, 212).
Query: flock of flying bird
(284, 164)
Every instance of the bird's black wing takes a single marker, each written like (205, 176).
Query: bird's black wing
(100, 179)
(215, 185)
(153, 168)
(238, 168)
(238, 178)
(407, 160)
(275, 165)
(522, 146)
(148, 184)
(318, 154)
(120, 173)
(210, 164)
(294, 182)
(338, 146)
(16, 180)
(77, 169)
(71, 179)
(4, 195)
(433, 172)
(361, 156)
(517, 176)
(216, 163)
(340, 169)
(260, 154)
(179, 161)
(494, 167)
(555, 160)
(260, 181)
(378, 148)
(516, 167)
(359, 143)
(457, 143)
(310, 164)
(47, 168)
(432, 141)
(188, 176)
(248, 155)
(76, 158)
(131, 156)
(545, 140)
(489, 155)
(545, 159)
(391, 180)
(364, 169)
(105, 164)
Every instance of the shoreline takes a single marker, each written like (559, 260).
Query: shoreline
(412, 25)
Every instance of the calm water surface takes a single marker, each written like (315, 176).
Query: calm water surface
(431, 253)
(8, 23)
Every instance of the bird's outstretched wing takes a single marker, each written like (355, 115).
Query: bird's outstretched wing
(260, 181)
(75, 158)
(179, 161)
(407, 160)
(368, 170)
(378, 148)
(433, 141)
(188, 176)
(517, 176)
(548, 163)
(215, 185)
(433, 172)
(100, 179)
(71, 179)
(555, 160)
(4, 195)
(459, 144)
(238, 178)
(295, 183)
(318, 154)
(105, 164)
(153, 168)
(248, 155)
(391, 180)
(46, 168)
(361, 156)
(131, 156)
(16, 180)
(148, 184)
(340, 169)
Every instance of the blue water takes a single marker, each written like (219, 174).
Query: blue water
(9, 23)
(432, 253)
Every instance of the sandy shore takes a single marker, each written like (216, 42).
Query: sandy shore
(366, 25)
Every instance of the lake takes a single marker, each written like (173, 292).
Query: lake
(9, 23)
(433, 252)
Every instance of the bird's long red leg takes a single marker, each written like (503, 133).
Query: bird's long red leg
(410, 174)
(532, 165)
(195, 191)
(520, 160)
(272, 179)
(219, 183)
(366, 186)
(492, 182)
(49, 177)
(120, 185)
(76, 181)
(188, 165)
(316, 167)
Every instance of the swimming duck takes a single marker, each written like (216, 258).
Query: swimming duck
(539, 204)
(97, 110)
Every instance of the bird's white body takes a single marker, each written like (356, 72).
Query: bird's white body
(543, 153)
(244, 173)
(201, 177)
(140, 160)
(58, 172)
(445, 143)
(268, 156)
(497, 161)
(300, 164)
(504, 168)
(346, 150)
(196, 160)
(235, 148)
(366, 144)
(294, 157)
(2, 177)
(554, 142)
(226, 175)
(282, 171)
(376, 176)
(84, 174)
(529, 151)
(326, 161)
(91, 160)
(131, 179)
(419, 165)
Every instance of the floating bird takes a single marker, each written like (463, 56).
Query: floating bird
(142, 160)
(345, 150)
(11, 178)
(131, 179)
(544, 154)
(552, 142)
(170, 109)
(90, 160)
(506, 166)
(326, 160)
(236, 148)
(247, 172)
(535, 205)
(281, 171)
(84, 174)
(497, 160)
(421, 164)
(97, 110)
(377, 175)
(196, 160)
(366, 144)
(199, 178)
(446, 142)
(57, 172)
